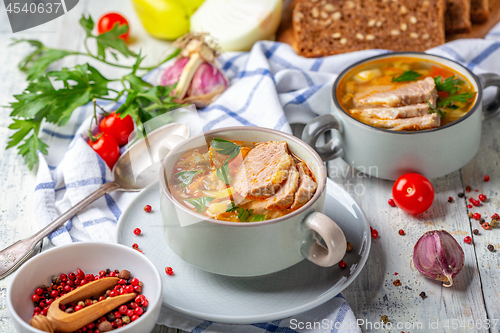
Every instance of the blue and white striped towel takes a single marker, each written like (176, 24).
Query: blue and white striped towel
(270, 87)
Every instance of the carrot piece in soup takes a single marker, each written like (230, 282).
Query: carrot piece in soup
(439, 71)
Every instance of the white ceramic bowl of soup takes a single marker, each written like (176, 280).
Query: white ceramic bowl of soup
(251, 248)
(388, 154)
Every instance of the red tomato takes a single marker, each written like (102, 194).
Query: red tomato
(413, 193)
(108, 21)
(118, 128)
(107, 148)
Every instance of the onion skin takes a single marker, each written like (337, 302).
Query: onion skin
(437, 255)
(172, 74)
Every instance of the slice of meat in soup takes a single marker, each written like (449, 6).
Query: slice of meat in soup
(406, 124)
(307, 186)
(283, 198)
(263, 170)
(406, 94)
(408, 111)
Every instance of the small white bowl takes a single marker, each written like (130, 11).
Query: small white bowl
(90, 257)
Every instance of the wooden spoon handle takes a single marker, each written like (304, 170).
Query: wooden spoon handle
(58, 320)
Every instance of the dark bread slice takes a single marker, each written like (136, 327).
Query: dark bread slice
(479, 11)
(329, 27)
(457, 17)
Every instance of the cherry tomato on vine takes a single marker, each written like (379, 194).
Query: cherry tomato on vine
(118, 128)
(107, 148)
(413, 193)
(108, 21)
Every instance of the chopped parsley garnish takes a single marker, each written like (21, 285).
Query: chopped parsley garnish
(225, 147)
(245, 215)
(443, 102)
(223, 173)
(450, 85)
(432, 109)
(200, 203)
(407, 76)
(185, 177)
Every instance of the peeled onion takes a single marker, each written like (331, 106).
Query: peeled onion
(238, 24)
(438, 256)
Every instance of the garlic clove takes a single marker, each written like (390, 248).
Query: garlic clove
(437, 255)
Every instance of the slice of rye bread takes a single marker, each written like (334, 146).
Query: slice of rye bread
(457, 17)
(329, 27)
(479, 11)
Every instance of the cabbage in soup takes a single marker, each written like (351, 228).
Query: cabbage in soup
(242, 181)
(405, 94)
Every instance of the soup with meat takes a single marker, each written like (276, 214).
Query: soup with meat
(405, 94)
(242, 181)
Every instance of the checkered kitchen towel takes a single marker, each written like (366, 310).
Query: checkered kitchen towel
(270, 87)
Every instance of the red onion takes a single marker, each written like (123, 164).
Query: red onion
(438, 256)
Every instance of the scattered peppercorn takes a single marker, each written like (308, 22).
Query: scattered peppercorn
(486, 226)
(494, 223)
(384, 319)
(486, 178)
(396, 273)
(423, 295)
(468, 239)
(482, 197)
(491, 248)
(391, 202)
(401, 232)
(476, 203)
(349, 247)
(147, 209)
(461, 194)
(135, 246)
(450, 199)
(342, 264)
(470, 214)
(477, 216)
(475, 232)
(469, 206)
(468, 188)
(169, 271)
(137, 231)
(374, 233)
(397, 283)
(495, 217)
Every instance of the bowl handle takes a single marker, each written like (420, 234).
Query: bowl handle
(332, 235)
(317, 127)
(492, 108)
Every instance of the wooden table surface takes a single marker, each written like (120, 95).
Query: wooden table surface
(475, 293)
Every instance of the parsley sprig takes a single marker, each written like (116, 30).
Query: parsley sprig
(407, 76)
(52, 96)
(451, 85)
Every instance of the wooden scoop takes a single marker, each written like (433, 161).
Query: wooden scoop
(58, 320)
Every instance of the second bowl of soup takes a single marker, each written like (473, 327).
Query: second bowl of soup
(244, 201)
(405, 112)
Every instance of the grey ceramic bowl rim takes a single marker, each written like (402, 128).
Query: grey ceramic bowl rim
(319, 192)
(479, 93)
(152, 303)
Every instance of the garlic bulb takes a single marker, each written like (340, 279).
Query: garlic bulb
(199, 80)
(438, 256)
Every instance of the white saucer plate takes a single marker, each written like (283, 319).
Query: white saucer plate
(213, 297)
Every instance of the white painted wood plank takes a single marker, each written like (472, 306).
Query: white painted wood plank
(373, 294)
(487, 162)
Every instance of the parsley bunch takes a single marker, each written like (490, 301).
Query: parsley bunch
(77, 86)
